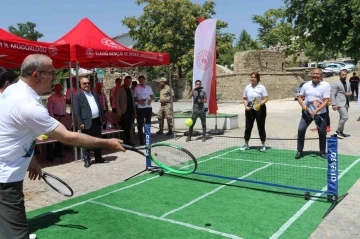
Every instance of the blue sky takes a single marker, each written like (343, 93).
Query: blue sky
(55, 18)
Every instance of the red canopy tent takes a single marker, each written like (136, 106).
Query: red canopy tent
(92, 48)
(14, 49)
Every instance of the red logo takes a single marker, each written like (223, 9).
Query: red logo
(53, 51)
(204, 60)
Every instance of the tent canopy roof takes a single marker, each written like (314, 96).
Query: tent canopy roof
(14, 49)
(93, 48)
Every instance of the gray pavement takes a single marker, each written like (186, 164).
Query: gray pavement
(282, 121)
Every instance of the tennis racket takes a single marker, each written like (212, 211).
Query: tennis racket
(256, 104)
(57, 184)
(167, 156)
(311, 107)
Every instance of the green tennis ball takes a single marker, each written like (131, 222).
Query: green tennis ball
(188, 122)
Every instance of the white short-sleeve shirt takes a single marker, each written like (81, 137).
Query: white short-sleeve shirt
(141, 93)
(318, 92)
(22, 119)
(251, 92)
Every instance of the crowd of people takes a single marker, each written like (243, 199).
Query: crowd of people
(20, 124)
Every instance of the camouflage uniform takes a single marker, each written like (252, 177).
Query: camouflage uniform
(165, 108)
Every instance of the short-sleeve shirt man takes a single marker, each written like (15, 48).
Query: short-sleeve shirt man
(259, 91)
(196, 95)
(141, 93)
(20, 124)
(318, 92)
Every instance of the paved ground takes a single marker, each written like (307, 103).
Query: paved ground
(282, 121)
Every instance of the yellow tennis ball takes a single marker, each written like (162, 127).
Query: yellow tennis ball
(188, 122)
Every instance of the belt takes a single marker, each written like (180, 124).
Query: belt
(59, 115)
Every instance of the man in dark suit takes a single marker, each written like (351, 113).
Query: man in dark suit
(90, 117)
(125, 108)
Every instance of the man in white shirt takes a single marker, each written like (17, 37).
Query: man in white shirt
(313, 90)
(22, 119)
(90, 117)
(143, 95)
(7, 78)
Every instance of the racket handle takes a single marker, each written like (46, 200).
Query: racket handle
(126, 146)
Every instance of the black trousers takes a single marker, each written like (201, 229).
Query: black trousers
(127, 120)
(95, 131)
(198, 114)
(260, 117)
(144, 115)
(354, 88)
(304, 124)
(327, 116)
(13, 222)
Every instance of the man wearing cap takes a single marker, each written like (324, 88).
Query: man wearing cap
(165, 106)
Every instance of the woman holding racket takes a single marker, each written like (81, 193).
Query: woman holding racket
(22, 119)
(255, 97)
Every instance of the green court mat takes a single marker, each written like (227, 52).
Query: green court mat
(151, 206)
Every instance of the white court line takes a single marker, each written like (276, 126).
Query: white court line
(284, 164)
(212, 192)
(117, 190)
(100, 196)
(287, 224)
(169, 220)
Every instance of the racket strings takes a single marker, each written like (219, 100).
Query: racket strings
(173, 157)
(58, 185)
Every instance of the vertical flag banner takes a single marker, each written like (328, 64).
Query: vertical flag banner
(204, 68)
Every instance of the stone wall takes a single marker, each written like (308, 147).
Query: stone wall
(261, 61)
(278, 85)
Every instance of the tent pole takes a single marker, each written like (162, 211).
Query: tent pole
(172, 101)
(77, 89)
(72, 112)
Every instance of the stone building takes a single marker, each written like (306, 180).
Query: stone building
(261, 61)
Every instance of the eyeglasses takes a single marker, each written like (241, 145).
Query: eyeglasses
(86, 83)
(53, 73)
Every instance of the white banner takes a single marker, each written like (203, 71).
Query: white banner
(205, 56)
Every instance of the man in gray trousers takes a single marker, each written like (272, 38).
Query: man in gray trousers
(340, 93)
(314, 90)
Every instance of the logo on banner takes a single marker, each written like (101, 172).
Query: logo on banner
(53, 51)
(61, 42)
(89, 53)
(204, 60)
(110, 43)
(161, 58)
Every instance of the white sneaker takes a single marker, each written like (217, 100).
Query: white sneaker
(244, 147)
(263, 148)
(32, 236)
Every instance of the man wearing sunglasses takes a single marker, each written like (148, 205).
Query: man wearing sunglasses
(199, 110)
(90, 117)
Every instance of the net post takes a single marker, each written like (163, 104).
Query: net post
(333, 175)
(332, 171)
(147, 143)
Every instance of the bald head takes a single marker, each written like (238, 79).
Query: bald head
(85, 84)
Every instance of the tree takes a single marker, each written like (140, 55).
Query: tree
(169, 26)
(274, 30)
(245, 43)
(26, 30)
(330, 25)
